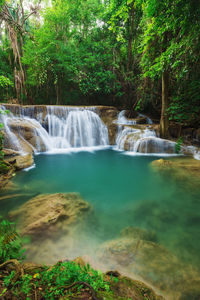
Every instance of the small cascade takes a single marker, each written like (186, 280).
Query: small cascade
(148, 120)
(129, 138)
(122, 120)
(197, 155)
(141, 138)
(11, 137)
(154, 145)
(23, 133)
(52, 128)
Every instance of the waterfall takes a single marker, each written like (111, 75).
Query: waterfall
(76, 127)
(11, 137)
(140, 138)
(129, 138)
(149, 121)
(52, 128)
(154, 145)
(122, 120)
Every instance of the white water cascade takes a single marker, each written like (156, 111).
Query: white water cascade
(53, 128)
(77, 127)
(141, 138)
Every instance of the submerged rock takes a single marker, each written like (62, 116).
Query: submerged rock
(151, 262)
(50, 213)
(138, 233)
(184, 170)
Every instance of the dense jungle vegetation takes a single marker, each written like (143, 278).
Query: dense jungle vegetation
(133, 54)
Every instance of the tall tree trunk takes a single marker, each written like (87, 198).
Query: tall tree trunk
(164, 121)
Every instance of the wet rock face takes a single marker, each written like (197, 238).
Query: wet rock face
(49, 214)
(109, 115)
(21, 161)
(135, 251)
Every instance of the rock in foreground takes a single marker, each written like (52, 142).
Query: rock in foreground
(50, 213)
(136, 252)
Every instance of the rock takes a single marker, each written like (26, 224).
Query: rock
(50, 213)
(27, 133)
(156, 145)
(162, 163)
(126, 288)
(151, 262)
(136, 141)
(108, 115)
(21, 161)
(5, 177)
(140, 120)
(10, 152)
(197, 136)
(138, 233)
(185, 169)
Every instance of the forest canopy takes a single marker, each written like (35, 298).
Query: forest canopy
(133, 54)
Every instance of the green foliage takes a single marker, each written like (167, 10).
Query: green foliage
(178, 145)
(10, 242)
(109, 52)
(53, 282)
(5, 82)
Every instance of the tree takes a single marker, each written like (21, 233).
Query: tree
(16, 21)
(167, 26)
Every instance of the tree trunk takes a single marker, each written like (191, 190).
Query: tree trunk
(164, 121)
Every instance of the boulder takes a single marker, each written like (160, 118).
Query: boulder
(155, 145)
(21, 161)
(28, 135)
(50, 213)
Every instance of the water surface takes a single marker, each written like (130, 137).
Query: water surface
(124, 191)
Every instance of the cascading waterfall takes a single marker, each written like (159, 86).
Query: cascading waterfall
(122, 120)
(76, 127)
(32, 129)
(23, 132)
(130, 138)
(58, 128)
(130, 135)
(4, 119)
(140, 138)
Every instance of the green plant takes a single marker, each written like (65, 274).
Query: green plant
(10, 242)
(178, 145)
(64, 278)
(5, 82)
